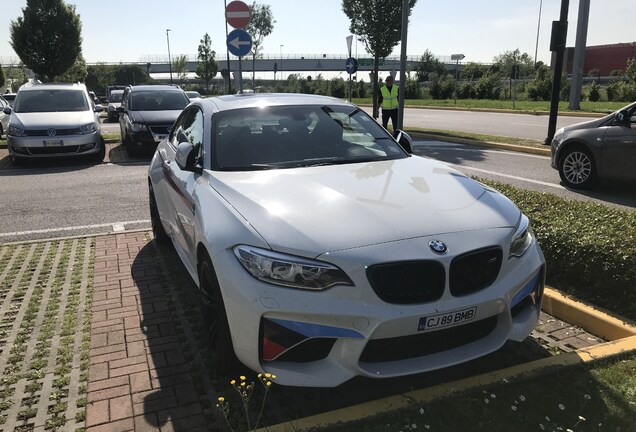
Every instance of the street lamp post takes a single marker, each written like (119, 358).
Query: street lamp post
(281, 62)
(169, 60)
(536, 47)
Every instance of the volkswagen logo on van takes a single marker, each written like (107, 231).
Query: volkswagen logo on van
(51, 132)
(438, 247)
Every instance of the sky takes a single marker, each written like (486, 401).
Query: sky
(135, 30)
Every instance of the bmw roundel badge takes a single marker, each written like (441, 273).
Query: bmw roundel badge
(438, 246)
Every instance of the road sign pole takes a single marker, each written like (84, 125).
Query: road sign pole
(240, 80)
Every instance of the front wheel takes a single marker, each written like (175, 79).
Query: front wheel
(577, 168)
(224, 358)
(101, 154)
(155, 221)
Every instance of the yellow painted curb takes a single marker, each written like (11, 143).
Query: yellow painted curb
(392, 403)
(592, 319)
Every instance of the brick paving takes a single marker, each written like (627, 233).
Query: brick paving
(133, 351)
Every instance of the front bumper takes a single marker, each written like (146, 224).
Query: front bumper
(325, 338)
(47, 147)
(149, 138)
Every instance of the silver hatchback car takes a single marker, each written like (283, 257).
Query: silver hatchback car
(49, 120)
(601, 149)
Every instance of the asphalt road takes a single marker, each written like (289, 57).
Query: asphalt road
(489, 123)
(53, 199)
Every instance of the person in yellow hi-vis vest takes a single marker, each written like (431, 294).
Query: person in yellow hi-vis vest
(388, 100)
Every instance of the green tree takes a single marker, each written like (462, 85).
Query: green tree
(207, 67)
(503, 63)
(99, 76)
(630, 71)
(48, 37)
(76, 73)
(2, 78)
(260, 26)
(540, 88)
(595, 94)
(472, 71)
(429, 64)
(179, 67)
(378, 25)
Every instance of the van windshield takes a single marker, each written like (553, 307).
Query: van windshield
(56, 100)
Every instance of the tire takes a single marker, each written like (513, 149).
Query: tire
(17, 161)
(224, 360)
(130, 150)
(101, 154)
(1, 131)
(577, 168)
(158, 231)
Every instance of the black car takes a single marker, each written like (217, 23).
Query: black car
(147, 114)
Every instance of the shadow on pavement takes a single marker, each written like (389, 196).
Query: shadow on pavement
(185, 382)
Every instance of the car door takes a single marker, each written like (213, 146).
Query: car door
(187, 129)
(123, 116)
(618, 153)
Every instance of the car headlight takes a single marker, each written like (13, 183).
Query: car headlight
(522, 238)
(558, 135)
(288, 270)
(15, 131)
(87, 129)
(138, 127)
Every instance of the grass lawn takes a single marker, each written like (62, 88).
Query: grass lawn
(597, 397)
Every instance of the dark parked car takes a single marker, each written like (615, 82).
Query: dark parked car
(147, 113)
(595, 150)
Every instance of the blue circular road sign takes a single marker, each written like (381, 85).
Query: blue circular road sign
(351, 65)
(239, 42)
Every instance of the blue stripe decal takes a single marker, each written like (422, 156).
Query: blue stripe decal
(317, 330)
(526, 290)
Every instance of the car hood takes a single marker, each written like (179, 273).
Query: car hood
(590, 124)
(330, 208)
(155, 117)
(56, 120)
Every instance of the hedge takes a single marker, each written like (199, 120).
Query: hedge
(590, 248)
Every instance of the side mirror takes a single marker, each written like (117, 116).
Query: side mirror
(7, 110)
(186, 157)
(404, 140)
(622, 117)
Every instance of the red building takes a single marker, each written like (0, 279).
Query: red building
(605, 58)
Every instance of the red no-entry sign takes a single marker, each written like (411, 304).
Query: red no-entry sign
(238, 14)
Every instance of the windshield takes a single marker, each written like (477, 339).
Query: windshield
(158, 100)
(115, 96)
(294, 136)
(57, 100)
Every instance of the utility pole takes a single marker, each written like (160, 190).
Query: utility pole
(169, 60)
(557, 45)
(402, 88)
(579, 55)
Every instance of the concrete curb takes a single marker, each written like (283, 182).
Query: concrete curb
(619, 331)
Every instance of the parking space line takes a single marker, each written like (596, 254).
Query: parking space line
(539, 182)
(75, 228)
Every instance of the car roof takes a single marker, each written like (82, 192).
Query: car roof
(155, 87)
(251, 100)
(52, 86)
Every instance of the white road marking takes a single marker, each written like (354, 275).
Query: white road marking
(75, 228)
(461, 147)
(119, 227)
(528, 124)
(539, 182)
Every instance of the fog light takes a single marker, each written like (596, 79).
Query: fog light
(86, 147)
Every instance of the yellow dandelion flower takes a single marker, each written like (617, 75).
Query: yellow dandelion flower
(269, 383)
(268, 375)
(260, 375)
(273, 376)
(221, 399)
(233, 382)
(243, 384)
(242, 378)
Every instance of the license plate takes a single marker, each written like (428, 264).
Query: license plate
(449, 319)
(58, 143)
